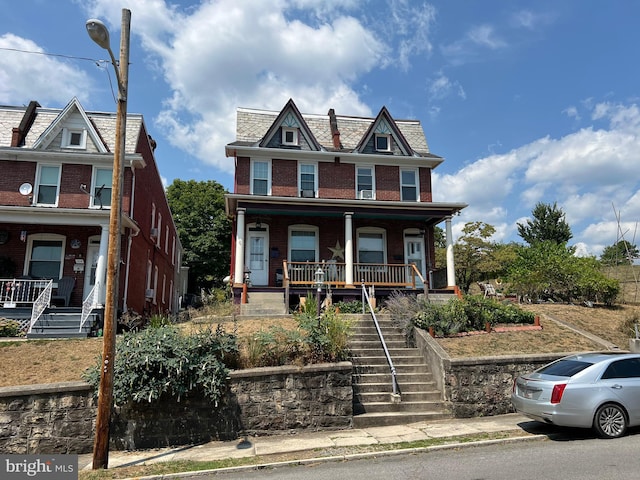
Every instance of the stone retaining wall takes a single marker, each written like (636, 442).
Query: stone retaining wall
(60, 418)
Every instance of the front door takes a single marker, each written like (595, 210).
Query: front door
(414, 254)
(256, 255)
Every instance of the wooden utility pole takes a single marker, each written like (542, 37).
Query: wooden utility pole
(105, 391)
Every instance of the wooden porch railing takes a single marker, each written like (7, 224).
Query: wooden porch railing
(302, 274)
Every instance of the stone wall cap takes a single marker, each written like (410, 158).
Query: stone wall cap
(43, 388)
(288, 369)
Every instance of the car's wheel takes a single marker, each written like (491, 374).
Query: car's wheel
(610, 421)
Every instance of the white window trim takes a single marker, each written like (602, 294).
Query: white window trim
(159, 230)
(307, 228)
(252, 178)
(375, 142)
(66, 138)
(155, 285)
(149, 270)
(45, 236)
(166, 239)
(38, 177)
(94, 177)
(373, 180)
(372, 230)
(417, 184)
(315, 177)
(296, 136)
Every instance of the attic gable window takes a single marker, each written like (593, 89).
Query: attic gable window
(74, 138)
(383, 142)
(289, 136)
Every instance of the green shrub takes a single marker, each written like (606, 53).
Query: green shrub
(275, 346)
(10, 328)
(161, 361)
(353, 306)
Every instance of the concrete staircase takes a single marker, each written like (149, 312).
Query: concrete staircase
(62, 323)
(373, 404)
(260, 304)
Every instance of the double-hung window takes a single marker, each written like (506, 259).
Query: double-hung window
(409, 185)
(260, 177)
(364, 183)
(45, 256)
(303, 243)
(48, 185)
(308, 179)
(371, 246)
(101, 188)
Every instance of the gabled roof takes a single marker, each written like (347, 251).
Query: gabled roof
(290, 116)
(386, 125)
(52, 131)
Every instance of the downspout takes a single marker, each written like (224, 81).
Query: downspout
(125, 308)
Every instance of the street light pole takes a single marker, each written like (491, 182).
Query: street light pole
(99, 34)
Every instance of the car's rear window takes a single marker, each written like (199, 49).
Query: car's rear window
(564, 368)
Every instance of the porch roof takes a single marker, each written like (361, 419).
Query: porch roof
(29, 215)
(430, 212)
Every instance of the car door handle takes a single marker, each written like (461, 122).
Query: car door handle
(617, 386)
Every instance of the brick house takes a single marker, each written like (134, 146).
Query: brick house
(55, 198)
(346, 196)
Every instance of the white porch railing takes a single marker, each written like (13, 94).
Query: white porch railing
(22, 292)
(41, 302)
(89, 304)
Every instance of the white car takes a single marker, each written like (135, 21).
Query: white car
(590, 390)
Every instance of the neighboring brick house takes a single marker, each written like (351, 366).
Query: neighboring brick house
(349, 195)
(55, 198)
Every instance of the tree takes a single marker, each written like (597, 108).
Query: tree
(204, 230)
(473, 254)
(620, 253)
(548, 224)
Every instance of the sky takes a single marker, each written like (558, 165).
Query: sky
(527, 101)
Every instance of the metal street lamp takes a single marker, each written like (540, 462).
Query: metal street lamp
(99, 34)
(319, 281)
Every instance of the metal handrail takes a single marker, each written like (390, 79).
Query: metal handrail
(394, 380)
(40, 304)
(88, 305)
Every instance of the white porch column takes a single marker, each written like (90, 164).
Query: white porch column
(348, 248)
(101, 265)
(238, 269)
(451, 267)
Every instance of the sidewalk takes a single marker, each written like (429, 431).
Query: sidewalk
(303, 441)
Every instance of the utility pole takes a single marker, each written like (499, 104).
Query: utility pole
(99, 33)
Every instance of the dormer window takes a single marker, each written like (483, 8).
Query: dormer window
(383, 142)
(289, 136)
(74, 138)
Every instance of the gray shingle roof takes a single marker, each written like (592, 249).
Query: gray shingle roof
(253, 124)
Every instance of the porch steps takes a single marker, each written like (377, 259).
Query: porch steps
(264, 303)
(373, 406)
(62, 323)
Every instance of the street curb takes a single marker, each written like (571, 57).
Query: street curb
(343, 458)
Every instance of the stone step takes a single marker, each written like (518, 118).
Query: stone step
(385, 378)
(376, 352)
(415, 359)
(357, 344)
(384, 368)
(406, 387)
(402, 406)
(366, 398)
(367, 420)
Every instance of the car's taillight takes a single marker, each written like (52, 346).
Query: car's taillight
(558, 390)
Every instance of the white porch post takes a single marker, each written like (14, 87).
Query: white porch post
(238, 269)
(348, 248)
(101, 264)
(451, 268)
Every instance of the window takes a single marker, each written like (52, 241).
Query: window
(364, 183)
(371, 246)
(308, 180)
(409, 185)
(260, 177)
(166, 239)
(74, 138)
(159, 227)
(303, 243)
(628, 368)
(101, 188)
(48, 184)
(289, 136)
(45, 256)
(383, 142)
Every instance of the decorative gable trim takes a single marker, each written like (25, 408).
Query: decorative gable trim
(58, 126)
(290, 130)
(380, 135)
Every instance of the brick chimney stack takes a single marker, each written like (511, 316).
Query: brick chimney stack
(335, 133)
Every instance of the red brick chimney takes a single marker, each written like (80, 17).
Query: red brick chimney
(335, 133)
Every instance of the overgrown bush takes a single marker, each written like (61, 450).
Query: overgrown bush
(353, 306)
(469, 314)
(10, 328)
(162, 361)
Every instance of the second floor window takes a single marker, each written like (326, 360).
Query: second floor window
(308, 180)
(409, 185)
(260, 177)
(364, 187)
(102, 179)
(48, 184)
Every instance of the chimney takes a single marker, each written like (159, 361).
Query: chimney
(19, 134)
(335, 133)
